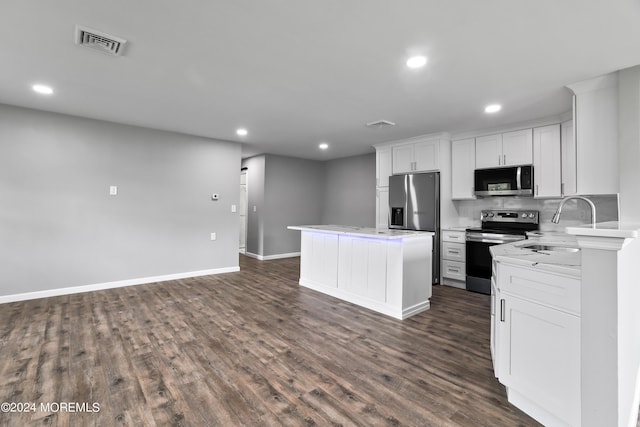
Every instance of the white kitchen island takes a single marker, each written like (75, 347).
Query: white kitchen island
(388, 271)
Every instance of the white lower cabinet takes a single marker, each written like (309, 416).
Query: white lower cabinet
(453, 258)
(536, 342)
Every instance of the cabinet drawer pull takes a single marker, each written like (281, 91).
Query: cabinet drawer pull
(502, 310)
(454, 270)
(499, 159)
(504, 159)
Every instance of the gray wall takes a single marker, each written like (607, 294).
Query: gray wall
(294, 190)
(60, 228)
(350, 191)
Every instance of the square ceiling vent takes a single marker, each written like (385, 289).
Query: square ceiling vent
(97, 40)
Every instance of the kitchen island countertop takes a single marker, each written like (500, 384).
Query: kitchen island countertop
(349, 230)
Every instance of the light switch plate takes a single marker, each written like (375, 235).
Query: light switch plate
(233, 208)
(113, 190)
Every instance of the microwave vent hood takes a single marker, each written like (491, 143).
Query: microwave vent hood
(504, 181)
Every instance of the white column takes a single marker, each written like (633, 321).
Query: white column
(610, 326)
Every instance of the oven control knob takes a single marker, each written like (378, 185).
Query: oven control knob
(490, 214)
(524, 215)
(531, 215)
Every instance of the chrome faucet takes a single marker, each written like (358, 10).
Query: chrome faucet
(556, 216)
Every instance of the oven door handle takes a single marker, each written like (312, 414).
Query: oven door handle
(501, 240)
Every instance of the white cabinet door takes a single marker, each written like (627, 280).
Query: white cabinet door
(488, 151)
(495, 321)
(539, 355)
(596, 112)
(517, 148)
(382, 208)
(426, 156)
(402, 159)
(463, 163)
(546, 161)
(383, 167)
(568, 154)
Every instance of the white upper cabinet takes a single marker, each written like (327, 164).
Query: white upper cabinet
(427, 155)
(517, 148)
(463, 163)
(596, 134)
(383, 167)
(488, 151)
(403, 159)
(546, 161)
(568, 143)
(416, 157)
(507, 149)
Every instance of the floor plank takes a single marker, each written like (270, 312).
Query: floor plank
(250, 348)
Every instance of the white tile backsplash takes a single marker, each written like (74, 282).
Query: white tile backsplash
(574, 212)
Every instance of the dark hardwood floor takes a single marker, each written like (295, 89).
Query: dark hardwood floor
(249, 348)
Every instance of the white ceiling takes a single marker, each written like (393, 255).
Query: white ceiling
(299, 72)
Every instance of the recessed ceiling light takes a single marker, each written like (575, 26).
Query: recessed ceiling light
(241, 132)
(416, 61)
(493, 108)
(45, 90)
(323, 146)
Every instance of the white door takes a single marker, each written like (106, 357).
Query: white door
(243, 212)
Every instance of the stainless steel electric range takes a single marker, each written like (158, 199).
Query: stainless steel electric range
(497, 227)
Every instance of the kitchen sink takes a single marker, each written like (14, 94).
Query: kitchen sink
(550, 248)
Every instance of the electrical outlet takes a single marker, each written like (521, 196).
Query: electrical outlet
(213, 236)
(113, 190)
(233, 208)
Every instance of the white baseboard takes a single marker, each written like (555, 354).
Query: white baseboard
(110, 285)
(270, 257)
(377, 306)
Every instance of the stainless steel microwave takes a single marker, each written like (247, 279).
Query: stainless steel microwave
(506, 181)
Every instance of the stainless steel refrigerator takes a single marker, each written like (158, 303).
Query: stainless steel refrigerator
(414, 204)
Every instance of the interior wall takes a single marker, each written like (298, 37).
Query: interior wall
(629, 143)
(59, 226)
(350, 191)
(294, 191)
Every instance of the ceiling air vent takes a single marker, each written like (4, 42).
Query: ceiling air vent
(97, 40)
(380, 124)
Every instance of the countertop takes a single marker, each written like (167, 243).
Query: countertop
(377, 233)
(569, 263)
(607, 229)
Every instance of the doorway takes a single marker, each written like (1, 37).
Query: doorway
(243, 212)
